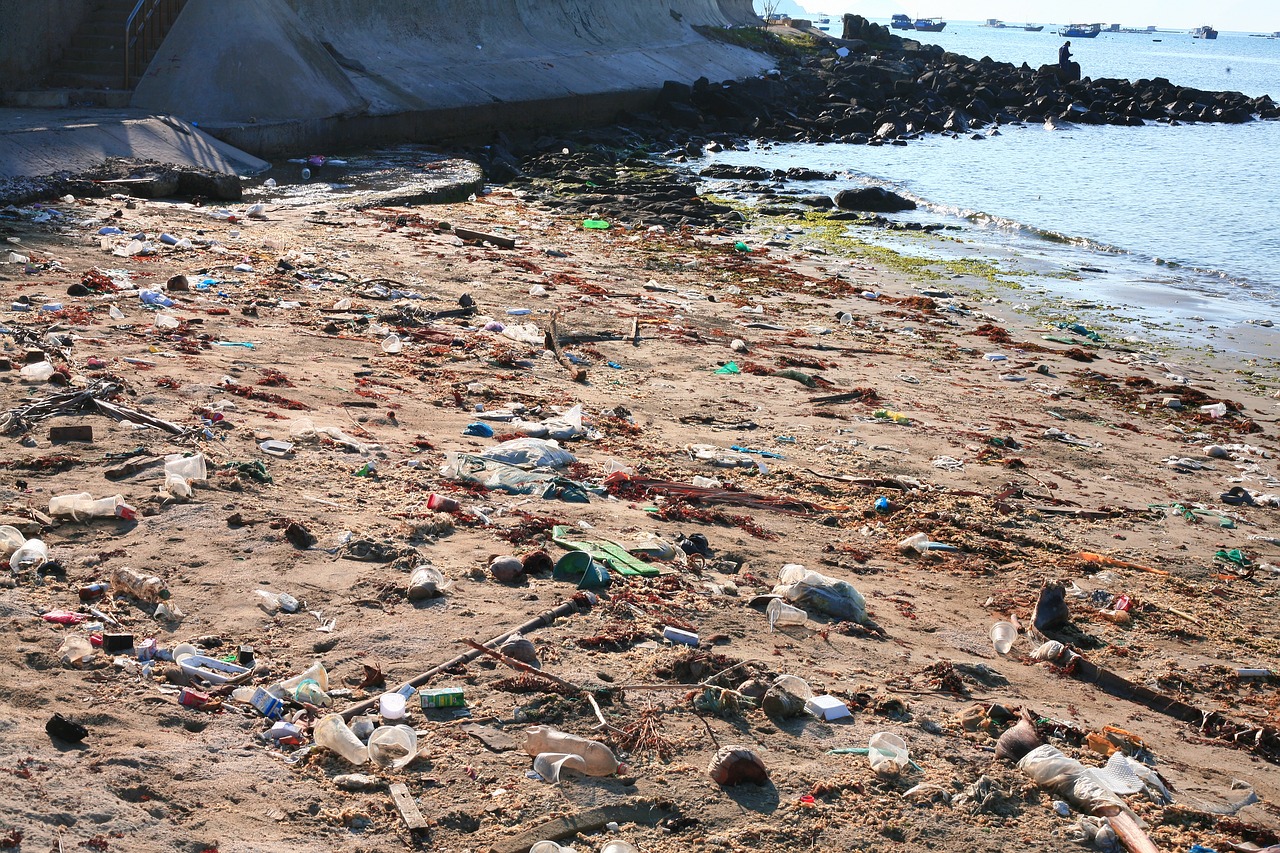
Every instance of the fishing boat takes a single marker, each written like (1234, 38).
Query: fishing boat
(901, 22)
(1080, 31)
(1205, 32)
(929, 25)
(1033, 28)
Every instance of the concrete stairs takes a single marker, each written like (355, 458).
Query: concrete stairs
(91, 69)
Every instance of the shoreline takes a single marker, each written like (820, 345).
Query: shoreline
(1019, 503)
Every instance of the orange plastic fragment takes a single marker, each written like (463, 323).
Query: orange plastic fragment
(1116, 563)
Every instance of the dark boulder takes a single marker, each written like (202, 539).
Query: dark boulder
(875, 199)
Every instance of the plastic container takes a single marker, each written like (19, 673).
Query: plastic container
(795, 685)
(827, 708)
(594, 759)
(392, 344)
(41, 371)
(391, 706)
(887, 754)
(187, 467)
(1003, 635)
(782, 614)
(332, 732)
(141, 586)
(310, 691)
(11, 539)
(31, 556)
(393, 746)
(619, 846)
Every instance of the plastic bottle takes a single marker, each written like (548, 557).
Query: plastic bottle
(333, 733)
(595, 759)
(41, 371)
(140, 586)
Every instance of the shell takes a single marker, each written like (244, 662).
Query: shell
(733, 765)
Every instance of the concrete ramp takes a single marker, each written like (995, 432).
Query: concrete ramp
(39, 142)
(282, 75)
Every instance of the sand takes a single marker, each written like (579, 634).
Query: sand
(155, 775)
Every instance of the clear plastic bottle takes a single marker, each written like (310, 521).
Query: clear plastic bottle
(596, 758)
(140, 586)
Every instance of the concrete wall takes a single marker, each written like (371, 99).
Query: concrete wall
(33, 34)
(269, 75)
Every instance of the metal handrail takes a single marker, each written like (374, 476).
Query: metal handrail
(145, 29)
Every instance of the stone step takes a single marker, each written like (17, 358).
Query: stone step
(115, 99)
(62, 80)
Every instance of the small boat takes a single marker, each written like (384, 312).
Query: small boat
(901, 22)
(1205, 32)
(929, 25)
(1033, 28)
(1080, 31)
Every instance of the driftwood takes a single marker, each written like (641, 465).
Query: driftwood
(523, 667)
(552, 343)
(480, 236)
(592, 820)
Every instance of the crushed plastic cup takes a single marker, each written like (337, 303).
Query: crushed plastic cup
(392, 344)
(887, 754)
(333, 733)
(782, 614)
(393, 746)
(391, 706)
(1003, 635)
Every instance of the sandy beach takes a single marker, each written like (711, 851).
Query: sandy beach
(872, 406)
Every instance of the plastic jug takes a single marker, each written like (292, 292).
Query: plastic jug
(333, 733)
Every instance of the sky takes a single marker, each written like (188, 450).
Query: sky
(1250, 16)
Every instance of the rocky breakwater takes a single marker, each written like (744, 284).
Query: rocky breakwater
(882, 89)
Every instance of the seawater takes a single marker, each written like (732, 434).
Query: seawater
(1177, 225)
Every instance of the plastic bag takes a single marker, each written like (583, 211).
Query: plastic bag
(531, 453)
(1081, 786)
(814, 591)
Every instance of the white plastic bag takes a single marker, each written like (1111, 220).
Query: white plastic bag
(530, 453)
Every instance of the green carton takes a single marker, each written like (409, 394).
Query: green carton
(445, 697)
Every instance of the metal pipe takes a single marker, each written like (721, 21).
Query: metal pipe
(567, 609)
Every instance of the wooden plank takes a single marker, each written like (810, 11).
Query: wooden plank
(407, 807)
(501, 242)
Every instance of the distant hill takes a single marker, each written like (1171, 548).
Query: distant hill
(789, 8)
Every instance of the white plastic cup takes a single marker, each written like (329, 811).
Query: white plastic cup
(1003, 635)
(392, 344)
(619, 846)
(391, 706)
(32, 555)
(187, 467)
(782, 614)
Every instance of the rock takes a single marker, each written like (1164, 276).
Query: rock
(506, 569)
(1051, 610)
(876, 199)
